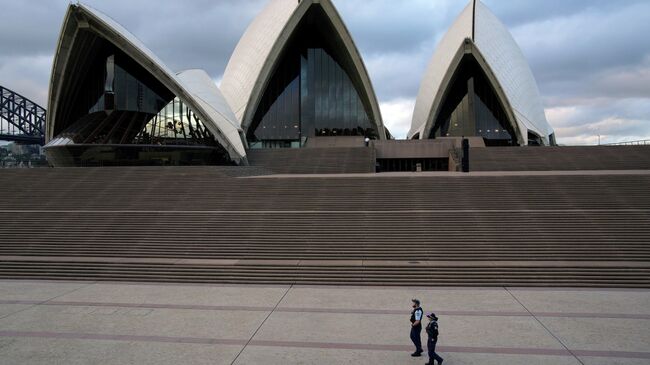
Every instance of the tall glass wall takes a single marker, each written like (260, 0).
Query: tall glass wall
(313, 91)
(101, 78)
(175, 123)
(472, 108)
(122, 90)
(114, 112)
(116, 101)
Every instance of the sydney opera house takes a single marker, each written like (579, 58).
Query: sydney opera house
(478, 83)
(112, 101)
(295, 78)
(272, 218)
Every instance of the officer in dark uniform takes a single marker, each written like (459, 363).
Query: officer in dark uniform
(416, 327)
(432, 339)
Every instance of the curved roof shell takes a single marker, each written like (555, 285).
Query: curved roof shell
(503, 61)
(254, 59)
(194, 88)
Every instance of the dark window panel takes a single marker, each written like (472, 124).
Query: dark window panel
(310, 89)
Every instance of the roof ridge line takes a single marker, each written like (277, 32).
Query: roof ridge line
(474, 20)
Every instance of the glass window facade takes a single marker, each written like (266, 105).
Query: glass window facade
(534, 139)
(174, 124)
(119, 102)
(472, 108)
(115, 110)
(313, 91)
(103, 79)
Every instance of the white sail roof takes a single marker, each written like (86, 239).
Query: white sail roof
(505, 61)
(252, 62)
(192, 88)
(208, 95)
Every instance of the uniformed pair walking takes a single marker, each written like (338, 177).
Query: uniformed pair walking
(432, 333)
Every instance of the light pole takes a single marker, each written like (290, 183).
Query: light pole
(599, 139)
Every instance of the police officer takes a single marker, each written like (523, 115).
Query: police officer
(432, 339)
(416, 327)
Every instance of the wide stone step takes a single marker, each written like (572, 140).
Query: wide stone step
(560, 158)
(580, 275)
(338, 160)
(208, 225)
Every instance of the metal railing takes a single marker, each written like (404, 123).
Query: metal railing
(644, 142)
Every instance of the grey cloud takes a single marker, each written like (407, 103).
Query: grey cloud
(380, 26)
(29, 28)
(27, 76)
(591, 61)
(518, 12)
(570, 48)
(581, 121)
(390, 85)
(619, 83)
(592, 110)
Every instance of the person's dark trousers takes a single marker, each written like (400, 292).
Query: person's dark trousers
(415, 337)
(431, 347)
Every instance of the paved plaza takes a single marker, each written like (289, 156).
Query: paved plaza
(48, 322)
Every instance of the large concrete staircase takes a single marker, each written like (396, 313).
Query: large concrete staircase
(560, 158)
(336, 160)
(221, 225)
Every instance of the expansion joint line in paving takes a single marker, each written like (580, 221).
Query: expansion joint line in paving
(48, 300)
(543, 325)
(262, 324)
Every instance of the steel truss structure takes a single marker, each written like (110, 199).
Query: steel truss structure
(21, 120)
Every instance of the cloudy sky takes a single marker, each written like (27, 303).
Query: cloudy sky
(591, 58)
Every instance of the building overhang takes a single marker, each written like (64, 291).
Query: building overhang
(82, 17)
(252, 64)
(469, 48)
(498, 53)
